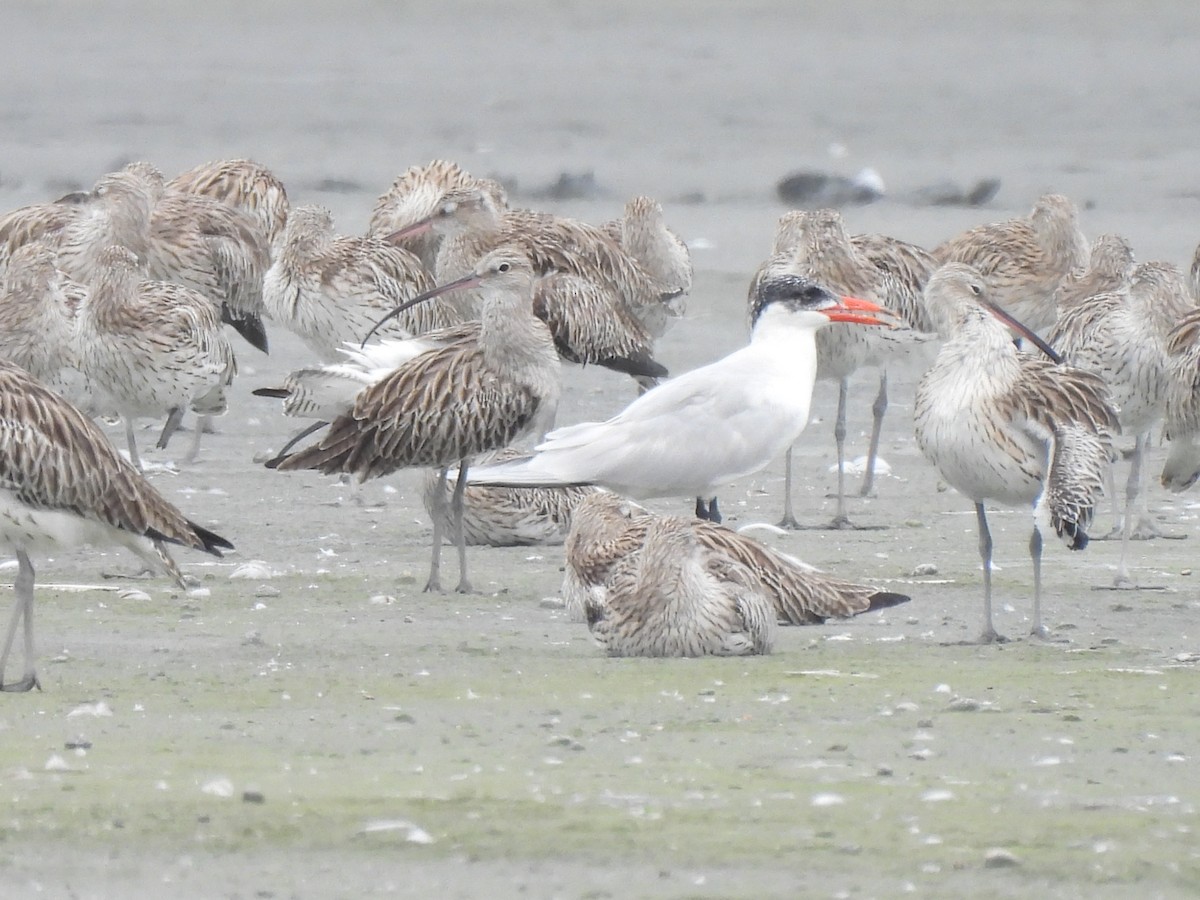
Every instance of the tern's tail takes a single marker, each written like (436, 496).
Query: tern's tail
(524, 471)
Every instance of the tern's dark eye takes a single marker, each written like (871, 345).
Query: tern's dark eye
(503, 267)
(975, 289)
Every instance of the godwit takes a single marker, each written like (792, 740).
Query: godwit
(697, 432)
(1022, 261)
(626, 302)
(39, 322)
(673, 597)
(1009, 426)
(116, 212)
(642, 232)
(331, 290)
(415, 195)
(454, 402)
(150, 347)
(1121, 337)
(1194, 276)
(507, 517)
(1182, 467)
(605, 528)
(64, 485)
(243, 184)
(41, 222)
(1109, 269)
(815, 245)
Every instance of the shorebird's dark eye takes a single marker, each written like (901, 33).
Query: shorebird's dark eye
(975, 290)
(503, 267)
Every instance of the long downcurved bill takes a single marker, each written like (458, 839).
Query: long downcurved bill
(467, 281)
(852, 309)
(1022, 329)
(419, 227)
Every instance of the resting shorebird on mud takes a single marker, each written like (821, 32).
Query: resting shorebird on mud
(1019, 428)
(695, 433)
(651, 585)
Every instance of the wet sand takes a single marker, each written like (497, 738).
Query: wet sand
(863, 759)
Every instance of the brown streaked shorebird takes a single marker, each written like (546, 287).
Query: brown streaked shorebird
(1121, 337)
(1000, 424)
(452, 403)
(607, 527)
(39, 323)
(242, 184)
(1182, 427)
(624, 303)
(507, 517)
(673, 597)
(216, 250)
(62, 484)
(879, 268)
(331, 290)
(642, 232)
(415, 195)
(1194, 275)
(150, 348)
(80, 226)
(1023, 261)
(1109, 268)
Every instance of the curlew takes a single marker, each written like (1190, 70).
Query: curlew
(1004, 425)
(62, 485)
(151, 348)
(1023, 261)
(884, 269)
(454, 402)
(606, 527)
(331, 290)
(695, 433)
(243, 184)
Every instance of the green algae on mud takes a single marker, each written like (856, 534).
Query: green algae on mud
(840, 749)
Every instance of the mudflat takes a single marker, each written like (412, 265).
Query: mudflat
(307, 723)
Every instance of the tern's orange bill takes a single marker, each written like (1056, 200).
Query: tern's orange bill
(857, 310)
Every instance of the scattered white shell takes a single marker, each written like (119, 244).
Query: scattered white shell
(134, 594)
(938, 795)
(218, 787)
(858, 466)
(99, 708)
(415, 833)
(382, 600)
(57, 764)
(828, 800)
(255, 568)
